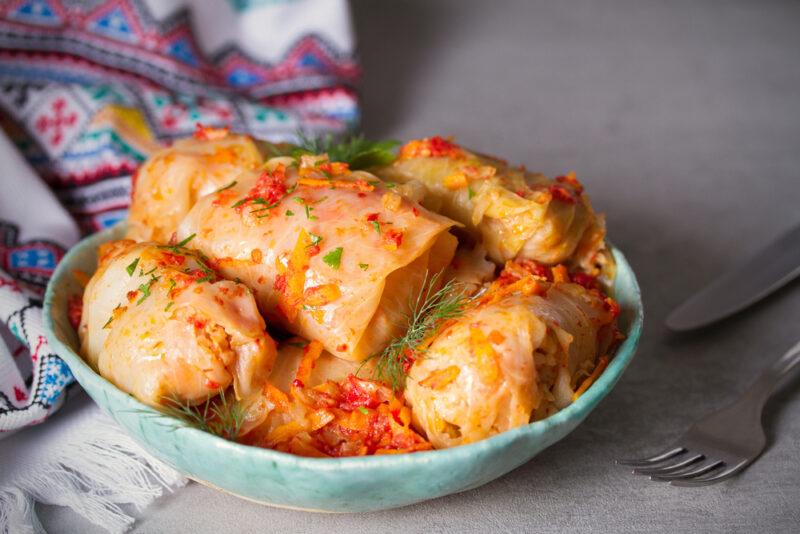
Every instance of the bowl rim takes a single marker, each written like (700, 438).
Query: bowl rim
(578, 409)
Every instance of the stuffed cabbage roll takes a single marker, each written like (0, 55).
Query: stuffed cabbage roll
(331, 254)
(315, 405)
(515, 213)
(159, 323)
(522, 352)
(171, 181)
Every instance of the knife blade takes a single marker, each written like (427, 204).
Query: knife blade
(748, 282)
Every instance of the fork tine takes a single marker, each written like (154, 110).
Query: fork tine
(695, 470)
(660, 457)
(714, 478)
(670, 467)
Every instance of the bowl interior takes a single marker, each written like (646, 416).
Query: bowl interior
(330, 484)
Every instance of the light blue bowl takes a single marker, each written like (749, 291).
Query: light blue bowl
(331, 485)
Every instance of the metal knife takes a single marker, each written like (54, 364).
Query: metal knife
(769, 269)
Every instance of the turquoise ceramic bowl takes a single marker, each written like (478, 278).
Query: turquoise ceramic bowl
(332, 485)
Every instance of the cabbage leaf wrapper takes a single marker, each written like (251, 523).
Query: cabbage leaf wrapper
(168, 184)
(513, 212)
(331, 255)
(524, 350)
(161, 325)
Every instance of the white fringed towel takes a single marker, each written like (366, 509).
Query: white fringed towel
(80, 459)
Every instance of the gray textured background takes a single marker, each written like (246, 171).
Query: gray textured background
(683, 120)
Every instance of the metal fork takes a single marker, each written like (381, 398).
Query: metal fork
(723, 443)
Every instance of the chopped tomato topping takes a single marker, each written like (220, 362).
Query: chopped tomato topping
(586, 280)
(75, 310)
(562, 194)
(204, 133)
(570, 179)
(393, 239)
(612, 306)
(169, 258)
(431, 147)
(357, 392)
(342, 347)
(270, 188)
(372, 217)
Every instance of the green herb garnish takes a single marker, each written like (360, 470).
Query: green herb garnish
(185, 241)
(364, 266)
(334, 257)
(289, 213)
(430, 309)
(315, 239)
(357, 151)
(218, 416)
(221, 189)
(132, 267)
(363, 410)
(377, 226)
(169, 305)
(470, 192)
(145, 288)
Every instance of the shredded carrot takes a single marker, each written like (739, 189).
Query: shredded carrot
(311, 354)
(292, 278)
(485, 355)
(441, 378)
(602, 363)
(357, 185)
(560, 273)
(455, 181)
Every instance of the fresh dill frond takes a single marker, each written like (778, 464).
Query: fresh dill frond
(217, 415)
(357, 151)
(429, 310)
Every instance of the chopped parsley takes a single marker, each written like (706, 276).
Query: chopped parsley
(309, 209)
(132, 267)
(145, 288)
(364, 266)
(363, 410)
(315, 240)
(169, 305)
(185, 241)
(108, 322)
(289, 213)
(221, 189)
(470, 192)
(334, 257)
(240, 202)
(377, 226)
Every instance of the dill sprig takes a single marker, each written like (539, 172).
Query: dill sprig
(218, 415)
(429, 310)
(357, 151)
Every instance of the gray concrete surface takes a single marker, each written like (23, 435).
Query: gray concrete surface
(683, 120)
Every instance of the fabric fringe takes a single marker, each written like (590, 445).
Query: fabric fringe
(101, 476)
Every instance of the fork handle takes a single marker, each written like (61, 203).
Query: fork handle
(771, 377)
